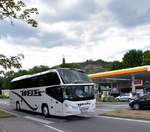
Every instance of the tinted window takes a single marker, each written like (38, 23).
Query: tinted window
(49, 79)
(21, 84)
(37, 81)
(55, 92)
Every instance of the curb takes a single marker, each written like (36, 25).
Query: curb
(11, 113)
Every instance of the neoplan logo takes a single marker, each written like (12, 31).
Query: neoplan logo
(35, 92)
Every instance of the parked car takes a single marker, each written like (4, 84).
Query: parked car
(141, 102)
(123, 97)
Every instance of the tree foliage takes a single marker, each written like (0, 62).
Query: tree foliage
(133, 58)
(146, 57)
(116, 65)
(16, 9)
(10, 62)
(37, 69)
(70, 65)
(7, 78)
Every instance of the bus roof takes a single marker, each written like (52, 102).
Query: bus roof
(41, 73)
(32, 75)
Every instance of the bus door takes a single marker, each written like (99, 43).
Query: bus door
(56, 106)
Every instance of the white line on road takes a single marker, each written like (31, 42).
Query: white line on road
(38, 120)
(53, 128)
(124, 119)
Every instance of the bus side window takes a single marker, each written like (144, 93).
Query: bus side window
(51, 79)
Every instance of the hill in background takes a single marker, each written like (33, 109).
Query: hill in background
(89, 66)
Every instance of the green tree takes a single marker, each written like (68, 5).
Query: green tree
(10, 62)
(1, 81)
(7, 78)
(70, 65)
(16, 9)
(20, 73)
(116, 65)
(11, 75)
(146, 57)
(38, 69)
(133, 58)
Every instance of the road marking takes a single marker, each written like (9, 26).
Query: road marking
(125, 119)
(53, 128)
(38, 120)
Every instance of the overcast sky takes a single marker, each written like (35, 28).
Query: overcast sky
(79, 30)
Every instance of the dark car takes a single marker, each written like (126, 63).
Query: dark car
(140, 103)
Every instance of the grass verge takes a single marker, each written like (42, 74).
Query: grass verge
(133, 114)
(4, 114)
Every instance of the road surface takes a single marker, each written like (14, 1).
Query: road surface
(26, 121)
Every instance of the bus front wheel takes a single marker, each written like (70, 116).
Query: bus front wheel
(45, 110)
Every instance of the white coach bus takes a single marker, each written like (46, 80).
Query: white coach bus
(60, 92)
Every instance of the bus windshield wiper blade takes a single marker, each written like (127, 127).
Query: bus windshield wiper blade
(77, 81)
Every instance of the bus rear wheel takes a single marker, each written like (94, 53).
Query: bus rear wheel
(45, 110)
(17, 106)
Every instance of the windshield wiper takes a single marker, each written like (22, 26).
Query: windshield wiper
(77, 81)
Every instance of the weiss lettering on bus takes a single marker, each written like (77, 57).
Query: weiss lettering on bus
(35, 92)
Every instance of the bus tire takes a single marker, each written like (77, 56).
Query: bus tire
(17, 106)
(45, 110)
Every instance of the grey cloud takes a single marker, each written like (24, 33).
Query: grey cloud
(21, 34)
(131, 13)
(56, 39)
(81, 11)
(78, 12)
(17, 30)
(49, 40)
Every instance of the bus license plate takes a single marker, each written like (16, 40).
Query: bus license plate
(84, 109)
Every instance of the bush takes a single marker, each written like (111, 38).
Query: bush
(4, 97)
(5, 94)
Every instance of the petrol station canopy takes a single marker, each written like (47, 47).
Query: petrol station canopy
(142, 73)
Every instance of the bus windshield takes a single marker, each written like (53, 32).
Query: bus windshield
(73, 76)
(78, 92)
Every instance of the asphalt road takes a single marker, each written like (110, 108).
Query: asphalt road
(29, 122)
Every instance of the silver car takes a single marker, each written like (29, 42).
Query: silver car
(124, 97)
